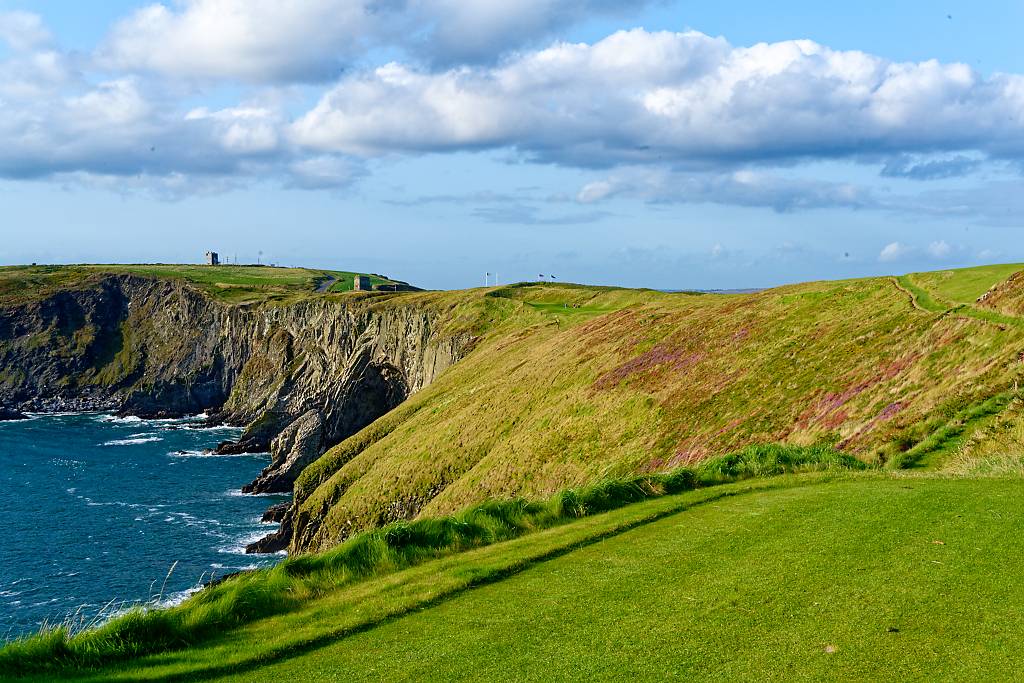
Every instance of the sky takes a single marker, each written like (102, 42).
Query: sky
(631, 142)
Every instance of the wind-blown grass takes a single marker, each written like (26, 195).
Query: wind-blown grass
(948, 437)
(249, 596)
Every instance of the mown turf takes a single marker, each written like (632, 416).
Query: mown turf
(877, 580)
(860, 577)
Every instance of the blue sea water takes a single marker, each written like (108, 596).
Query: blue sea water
(95, 510)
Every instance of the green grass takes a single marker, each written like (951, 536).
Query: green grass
(237, 284)
(836, 582)
(807, 577)
(254, 595)
(965, 285)
(569, 385)
(947, 438)
(921, 297)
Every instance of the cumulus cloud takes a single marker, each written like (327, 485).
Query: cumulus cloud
(658, 97)
(311, 40)
(940, 249)
(894, 251)
(663, 116)
(23, 31)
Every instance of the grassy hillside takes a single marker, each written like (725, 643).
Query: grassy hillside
(908, 571)
(839, 577)
(230, 283)
(569, 384)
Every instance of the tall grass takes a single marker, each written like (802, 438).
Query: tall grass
(249, 596)
(949, 436)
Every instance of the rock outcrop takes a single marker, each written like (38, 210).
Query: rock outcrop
(300, 377)
(10, 414)
(298, 445)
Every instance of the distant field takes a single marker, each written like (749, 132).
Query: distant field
(231, 283)
(964, 285)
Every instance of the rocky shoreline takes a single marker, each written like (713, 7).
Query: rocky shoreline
(10, 414)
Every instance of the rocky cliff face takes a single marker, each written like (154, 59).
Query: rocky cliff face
(143, 346)
(300, 377)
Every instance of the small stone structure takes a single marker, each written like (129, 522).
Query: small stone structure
(361, 283)
(212, 259)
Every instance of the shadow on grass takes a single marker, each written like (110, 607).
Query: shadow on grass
(250, 596)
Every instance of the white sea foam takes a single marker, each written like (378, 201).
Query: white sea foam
(210, 454)
(179, 597)
(117, 419)
(237, 546)
(132, 442)
(237, 493)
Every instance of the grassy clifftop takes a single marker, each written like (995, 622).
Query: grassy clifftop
(571, 384)
(229, 283)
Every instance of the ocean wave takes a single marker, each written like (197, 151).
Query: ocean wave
(237, 493)
(132, 442)
(237, 547)
(208, 453)
(66, 413)
(176, 598)
(107, 417)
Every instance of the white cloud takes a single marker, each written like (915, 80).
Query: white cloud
(940, 249)
(252, 40)
(23, 31)
(245, 129)
(311, 40)
(642, 97)
(894, 251)
(746, 187)
(666, 117)
(323, 172)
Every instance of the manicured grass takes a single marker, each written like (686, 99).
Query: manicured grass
(871, 580)
(814, 577)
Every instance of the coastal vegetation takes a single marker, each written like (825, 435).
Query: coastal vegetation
(750, 467)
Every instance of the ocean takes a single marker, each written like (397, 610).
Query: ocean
(97, 510)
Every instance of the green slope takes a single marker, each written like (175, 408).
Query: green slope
(797, 578)
(964, 285)
(568, 385)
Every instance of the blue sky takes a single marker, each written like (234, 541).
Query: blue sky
(635, 143)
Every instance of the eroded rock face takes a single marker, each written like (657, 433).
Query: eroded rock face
(275, 513)
(147, 347)
(298, 445)
(300, 377)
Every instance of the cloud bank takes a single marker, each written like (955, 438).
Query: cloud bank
(307, 92)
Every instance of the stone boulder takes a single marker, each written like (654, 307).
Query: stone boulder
(291, 451)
